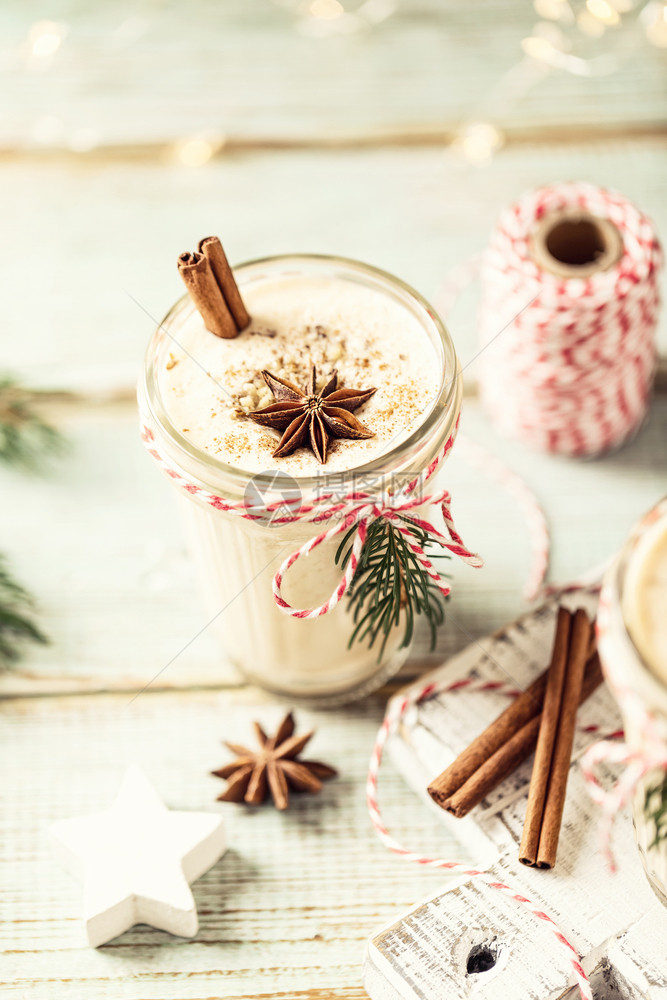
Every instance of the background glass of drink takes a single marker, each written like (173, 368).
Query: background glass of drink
(632, 641)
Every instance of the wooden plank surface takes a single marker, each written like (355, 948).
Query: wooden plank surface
(101, 232)
(143, 73)
(284, 913)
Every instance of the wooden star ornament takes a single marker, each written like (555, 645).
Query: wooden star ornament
(137, 859)
(274, 768)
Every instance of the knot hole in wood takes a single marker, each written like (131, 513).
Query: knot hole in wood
(482, 957)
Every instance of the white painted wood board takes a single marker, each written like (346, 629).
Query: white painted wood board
(423, 953)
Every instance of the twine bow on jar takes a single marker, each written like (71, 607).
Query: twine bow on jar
(360, 508)
(363, 515)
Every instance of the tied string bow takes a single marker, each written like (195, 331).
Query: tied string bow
(363, 509)
(396, 512)
(357, 507)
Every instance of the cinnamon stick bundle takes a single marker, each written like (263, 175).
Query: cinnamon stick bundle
(512, 753)
(546, 739)
(517, 714)
(209, 280)
(546, 796)
(503, 745)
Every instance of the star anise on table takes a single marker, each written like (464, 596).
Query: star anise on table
(273, 768)
(309, 417)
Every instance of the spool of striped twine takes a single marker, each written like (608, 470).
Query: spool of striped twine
(569, 278)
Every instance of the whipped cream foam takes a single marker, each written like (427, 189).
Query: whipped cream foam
(208, 385)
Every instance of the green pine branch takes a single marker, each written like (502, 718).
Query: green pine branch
(25, 437)
(655, 807)
(390, 585)
(16, 625)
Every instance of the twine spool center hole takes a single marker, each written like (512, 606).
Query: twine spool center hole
(576, 241)
(575, 244)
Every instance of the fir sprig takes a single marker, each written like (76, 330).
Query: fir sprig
(655, 807)
(25, 437)
(16, 626)
(390, 583)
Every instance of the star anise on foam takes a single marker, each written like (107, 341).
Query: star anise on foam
(309, 417)
(273, 768)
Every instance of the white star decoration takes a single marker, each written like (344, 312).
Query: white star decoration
(137, 859)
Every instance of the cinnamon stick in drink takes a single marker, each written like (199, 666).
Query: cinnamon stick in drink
(508, 757)
(197, 274)
(546, 739)
(560, 764)
(211, 248)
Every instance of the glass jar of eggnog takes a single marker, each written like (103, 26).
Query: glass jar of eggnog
(195, 398)
(632, 637)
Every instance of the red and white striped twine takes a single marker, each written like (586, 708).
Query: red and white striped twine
(359, 508)
(362, 508)
(395, 713)
(572, 371)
